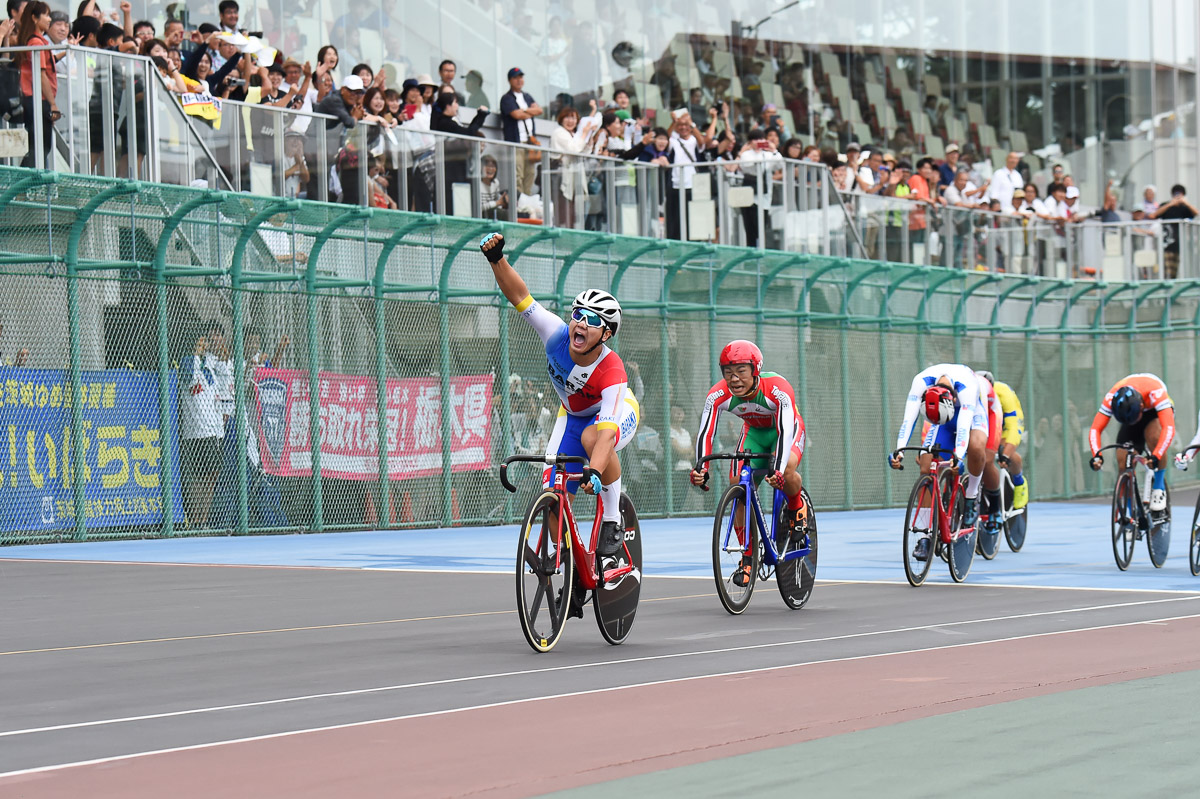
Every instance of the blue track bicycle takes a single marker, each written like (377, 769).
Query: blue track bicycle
(740, 539)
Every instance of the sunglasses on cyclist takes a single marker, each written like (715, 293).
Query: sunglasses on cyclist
(589, 318)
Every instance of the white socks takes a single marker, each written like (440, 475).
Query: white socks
(973, 485)
(922, 520)
(611, 497)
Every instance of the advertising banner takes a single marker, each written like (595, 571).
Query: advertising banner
(123, 451)
(349, 425)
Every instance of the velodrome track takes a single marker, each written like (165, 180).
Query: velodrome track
(392, 664)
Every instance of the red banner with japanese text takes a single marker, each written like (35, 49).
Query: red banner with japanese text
(349, 424)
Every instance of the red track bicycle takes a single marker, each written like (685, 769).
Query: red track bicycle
(553, 563)
(935, 512)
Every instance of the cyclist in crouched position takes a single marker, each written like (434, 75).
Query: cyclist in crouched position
(766, 404)
(1142, 407)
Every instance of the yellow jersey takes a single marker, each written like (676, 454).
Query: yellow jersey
(1014, 417)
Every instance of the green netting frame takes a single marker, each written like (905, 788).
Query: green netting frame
(388, 294)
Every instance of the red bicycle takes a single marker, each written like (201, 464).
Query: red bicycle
(555, 570)
(936, 505)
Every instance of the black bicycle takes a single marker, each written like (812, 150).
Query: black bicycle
(1131, 519)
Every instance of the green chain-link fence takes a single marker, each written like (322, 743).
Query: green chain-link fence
(194, 341)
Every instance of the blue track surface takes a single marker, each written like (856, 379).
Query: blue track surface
(1068, 545)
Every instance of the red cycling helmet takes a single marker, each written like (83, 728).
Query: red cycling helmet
(939, 404)
(742, 351)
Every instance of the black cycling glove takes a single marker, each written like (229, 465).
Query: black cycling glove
(495, 253)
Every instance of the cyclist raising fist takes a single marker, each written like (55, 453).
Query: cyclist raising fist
(599, 414)
(766, 404)
(1143, 408)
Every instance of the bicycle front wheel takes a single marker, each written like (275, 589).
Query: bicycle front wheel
(919, 522)
(545, 574)
(735, 556)
(1124, 516)
(796, 577)
(1159, 539)
(1194, 542)
(961, 551)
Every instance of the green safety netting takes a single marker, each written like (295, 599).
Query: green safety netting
(196, 341)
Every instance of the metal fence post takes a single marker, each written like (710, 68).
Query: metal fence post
(166, 422)
(78, 466)
(378, 292)
(236, 278)
(312, 320)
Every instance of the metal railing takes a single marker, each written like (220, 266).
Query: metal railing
(118, 120)
(789, 205)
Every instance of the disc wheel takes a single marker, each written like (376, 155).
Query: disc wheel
(921, 498)
(729, 549)
(960, 551)
(1159, 539)
(617, 591)
(797, 576)
(1124, 520)
(545, 576)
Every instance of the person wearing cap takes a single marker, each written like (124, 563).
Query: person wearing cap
(428, 88)
(948, 168)
(518, 109)
(345, 106)
(852, 151)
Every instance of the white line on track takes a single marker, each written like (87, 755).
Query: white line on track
(652, 683)
(941, 627)
(508, 573)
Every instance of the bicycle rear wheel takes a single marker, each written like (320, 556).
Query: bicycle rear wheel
(797, 576)
(920, 504)
(1158, 541)
(545, 575)
(1015, 521)
(729, 548)
(961, 551)
(615, 601)
(1124, 515)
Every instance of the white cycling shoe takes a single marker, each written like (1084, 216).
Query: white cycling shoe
(1158, 500)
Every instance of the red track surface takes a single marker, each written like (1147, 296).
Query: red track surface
(507, 750)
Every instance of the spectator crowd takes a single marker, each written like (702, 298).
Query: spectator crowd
(710, 138)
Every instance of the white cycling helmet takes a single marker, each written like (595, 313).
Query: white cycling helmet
(602, 304)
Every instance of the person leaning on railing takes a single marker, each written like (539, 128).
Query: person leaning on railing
(35, 21)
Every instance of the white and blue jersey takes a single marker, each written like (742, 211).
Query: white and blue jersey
(596, 394)
(970, 408)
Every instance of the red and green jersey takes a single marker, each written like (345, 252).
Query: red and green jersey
(772, 407)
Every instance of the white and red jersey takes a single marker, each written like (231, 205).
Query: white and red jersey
(598, 389)
(772, 405)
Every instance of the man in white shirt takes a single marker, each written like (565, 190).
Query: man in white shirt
(1005, 181)
(962, 191)
(686, 149)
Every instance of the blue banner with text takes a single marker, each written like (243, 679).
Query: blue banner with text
(123, 450)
